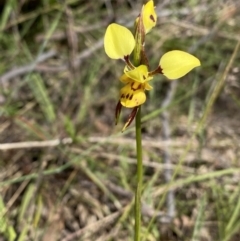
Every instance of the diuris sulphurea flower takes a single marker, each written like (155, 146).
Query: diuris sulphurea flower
(119, 43)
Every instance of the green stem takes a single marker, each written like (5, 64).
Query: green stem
(139, 176)
(137, 59)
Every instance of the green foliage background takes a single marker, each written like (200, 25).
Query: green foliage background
(67, 173)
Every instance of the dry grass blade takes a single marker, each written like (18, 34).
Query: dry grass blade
(95, 227)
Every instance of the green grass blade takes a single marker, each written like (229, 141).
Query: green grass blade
(200, 219)
(40, 93)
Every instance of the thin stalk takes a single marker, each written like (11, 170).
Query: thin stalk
(139, 176)
(137, 60)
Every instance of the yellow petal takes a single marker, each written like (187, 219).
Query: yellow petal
(132, 95)
(139, 74)
(118, 41)
(148, 86)
(125, 79)
(176, 64)
(149, 16)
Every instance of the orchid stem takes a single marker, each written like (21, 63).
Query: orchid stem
(137, 60)
(139, 176)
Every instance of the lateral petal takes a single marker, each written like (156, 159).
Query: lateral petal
(175, 64)
(118, 41)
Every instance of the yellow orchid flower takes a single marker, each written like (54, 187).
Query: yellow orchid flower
(119, 43)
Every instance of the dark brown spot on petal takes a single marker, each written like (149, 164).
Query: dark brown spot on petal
(131, 96)
(127, 96)
(152, 18)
